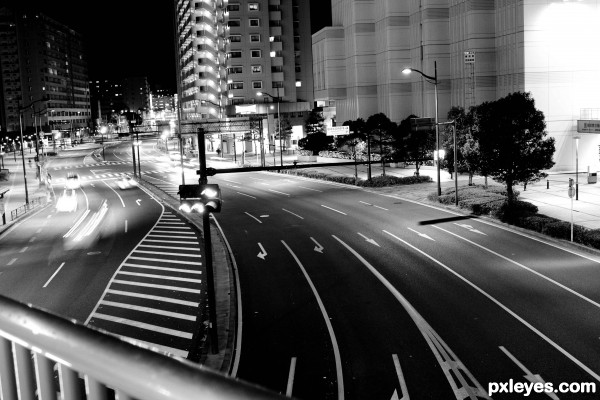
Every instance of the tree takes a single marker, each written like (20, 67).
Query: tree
(512, 140)
(380, 127)
(316, 139)
(418, 144)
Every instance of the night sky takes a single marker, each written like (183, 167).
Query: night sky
(131, 37)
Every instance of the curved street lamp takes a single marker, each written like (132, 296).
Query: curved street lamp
(434, 80)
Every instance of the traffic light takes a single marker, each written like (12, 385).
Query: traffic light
(200, 198)
(570, 182)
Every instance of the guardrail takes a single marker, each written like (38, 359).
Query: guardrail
(21, 210)
(92, 365)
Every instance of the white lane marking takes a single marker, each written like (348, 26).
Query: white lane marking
(230, 181)
(118, 195)
(234, 186)
(252, 216)
(276, 191)
(318, 248)
(152, 297)
(38, 231)
(294, 214)
(54, 274)
(142, 325)
(428, 333)
(165, 277)
(125, 226)
(336, 350)
(372, 241)
(187, 271)
(373, 205)
(172, 221)
(171, 241)
(179, 232)
(175, 228)
(11, 262)
(307, 188)
(153, 285)
(167, 254)
(505, 308)
(192, 239)
(32, 239)
(403, 388)
(159, 347)
(560, 285)
(290, 383)
(262, 253)
(24, 249)
(533, 378)
(469, 227)
(168, 247)
(149, 310)
(421, 234)
(333, 209)
(138, 201)
(166, 260)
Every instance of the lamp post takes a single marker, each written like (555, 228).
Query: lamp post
(21, 109)
(432, 79)
(204, 102)
(278, 99)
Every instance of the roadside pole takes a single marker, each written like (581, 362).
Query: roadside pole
(571, 192)
(210, 281)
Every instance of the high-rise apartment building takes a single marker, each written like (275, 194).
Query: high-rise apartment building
(483, 49)
(42, 65)
(231, 50)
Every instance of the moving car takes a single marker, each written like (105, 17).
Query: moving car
(73, 181)
(67, 202)
(126, 182)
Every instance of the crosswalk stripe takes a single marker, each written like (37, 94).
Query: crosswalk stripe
(164, 349)
(170, 278)
(143, 325)
(175, 237)
(152, 297)
(169, 241)
(149, 310)
(187, 271)
(164, 253)
(153, 285)
(180, 232)
(169, 247)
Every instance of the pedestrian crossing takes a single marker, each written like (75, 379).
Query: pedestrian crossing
(155, 297)
(90, 165)
(84, 178)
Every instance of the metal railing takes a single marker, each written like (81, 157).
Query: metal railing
(43, 356)
(25, 208)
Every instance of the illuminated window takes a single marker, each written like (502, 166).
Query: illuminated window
(256, 69)
(253, 6)
(235, 85)
(235, 38)
(233, 22)
(236, 69)
(298, 83)
(235, 54)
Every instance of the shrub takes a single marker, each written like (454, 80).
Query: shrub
(515, 210)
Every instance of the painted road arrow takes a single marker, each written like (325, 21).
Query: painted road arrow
(422, 234)
(318, 248)
(533, 378)
(372, 241)
(469, 227)
(262, 253)
(138, 201)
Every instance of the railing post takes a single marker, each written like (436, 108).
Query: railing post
(44, 370)
(8, 386)
(69, 383)
(95, 390)
(25, 374)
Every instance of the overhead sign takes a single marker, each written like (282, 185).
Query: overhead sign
(246, 109)
(588, 126)
(422, 124)
(338, 130)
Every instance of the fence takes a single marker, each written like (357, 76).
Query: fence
(22, 210)
(43, 356)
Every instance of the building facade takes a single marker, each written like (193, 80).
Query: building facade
(229, 51)
(482, 50)
(10, 77)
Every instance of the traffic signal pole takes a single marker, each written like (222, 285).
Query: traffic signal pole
(210, 281)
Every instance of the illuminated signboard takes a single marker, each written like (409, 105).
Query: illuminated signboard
(588, 126)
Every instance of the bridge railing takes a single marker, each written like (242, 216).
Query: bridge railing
(43, 356)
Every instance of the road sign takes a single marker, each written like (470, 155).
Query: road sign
(422, 124)
(469, 57)
(338, 130)
(588, 126)
(571, 192)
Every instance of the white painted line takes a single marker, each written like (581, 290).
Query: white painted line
(152, 297)
(307, 188)
(405, 395)
(79, 221)
(24, 249)
(180, 232)
(118, 195)
(125, 226)
(164, 253)
(336, 350)
(294, 214)
(252, 216)
(38, 231)
(32, 239)
(169, 278)
(290, 383)
(142, 325)
(560, 285)
(170, 247)
(533, 378)
(187, 271)
(508, 310)
(192, 238)
(170, 241)
(333, 209)
(154, 346)
(244, 194)
(11, 262)
(170, 223)
(234, 182)
(276, 191)
(149, 310)
(166, 260)
(54, 274)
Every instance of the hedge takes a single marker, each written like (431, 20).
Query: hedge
(377, 181)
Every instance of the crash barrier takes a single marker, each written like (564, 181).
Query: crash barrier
(25, 208)
(43, 356)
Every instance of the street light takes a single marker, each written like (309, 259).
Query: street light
(432, 79)
(278, 99)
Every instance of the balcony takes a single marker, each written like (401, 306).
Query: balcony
(277, 61)
(274, 15)
(275, 31)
